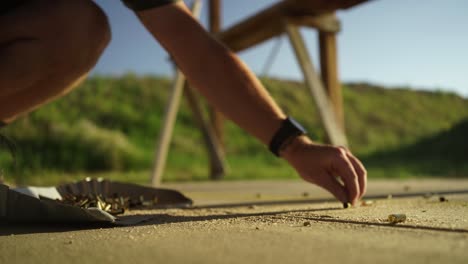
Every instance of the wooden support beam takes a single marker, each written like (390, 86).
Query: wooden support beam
(313, 82)
(218, 164)
(323, 22)
(215, 16)
(217, 119)
(167, 129)
(329, 72)
(269, 23)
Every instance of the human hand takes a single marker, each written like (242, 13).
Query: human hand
(322, 164)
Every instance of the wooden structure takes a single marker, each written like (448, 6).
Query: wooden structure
(275, 20)
(284, 17)
(217, 118)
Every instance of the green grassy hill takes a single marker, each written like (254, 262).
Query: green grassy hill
(111, 124)
(445, 153)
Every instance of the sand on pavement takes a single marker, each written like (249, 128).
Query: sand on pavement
(265, 222)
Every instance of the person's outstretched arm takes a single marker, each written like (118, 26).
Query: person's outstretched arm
(228, 84)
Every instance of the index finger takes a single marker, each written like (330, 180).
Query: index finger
(345, 170)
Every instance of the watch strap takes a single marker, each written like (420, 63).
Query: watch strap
(289, 129)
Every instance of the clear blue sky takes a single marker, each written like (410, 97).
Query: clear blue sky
(422, 44)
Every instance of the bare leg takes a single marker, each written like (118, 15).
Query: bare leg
(46, 48)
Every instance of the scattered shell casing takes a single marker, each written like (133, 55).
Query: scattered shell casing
(83, 203)
(367, 202)
(112, 203)
(396, 218)
(442, 199)
(114, 206)
(147, 203)
(346, 205)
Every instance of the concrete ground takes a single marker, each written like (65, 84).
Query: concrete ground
(266, 222)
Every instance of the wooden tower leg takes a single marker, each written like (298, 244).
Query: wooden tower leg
(329, 72)
(218, 164)
(217, 119)
(168, 126)
(313, 82)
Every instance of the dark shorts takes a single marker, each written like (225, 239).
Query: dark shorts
(8, 6)
(139, 5)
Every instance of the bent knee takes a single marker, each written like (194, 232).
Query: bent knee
(78, 35)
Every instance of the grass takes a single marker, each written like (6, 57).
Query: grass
(442, 154)
(109, 126)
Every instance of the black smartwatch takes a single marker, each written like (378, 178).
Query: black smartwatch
(288, 130)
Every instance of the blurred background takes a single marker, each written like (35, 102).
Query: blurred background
(403, 67)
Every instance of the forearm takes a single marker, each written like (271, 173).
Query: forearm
(228, 84)
(214, 70)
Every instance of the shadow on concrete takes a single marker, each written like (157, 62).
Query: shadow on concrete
(141, 219)
(160, 219)
(328, 200)
(7, 229)
(399, 225)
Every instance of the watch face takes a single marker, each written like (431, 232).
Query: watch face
(297, 125)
